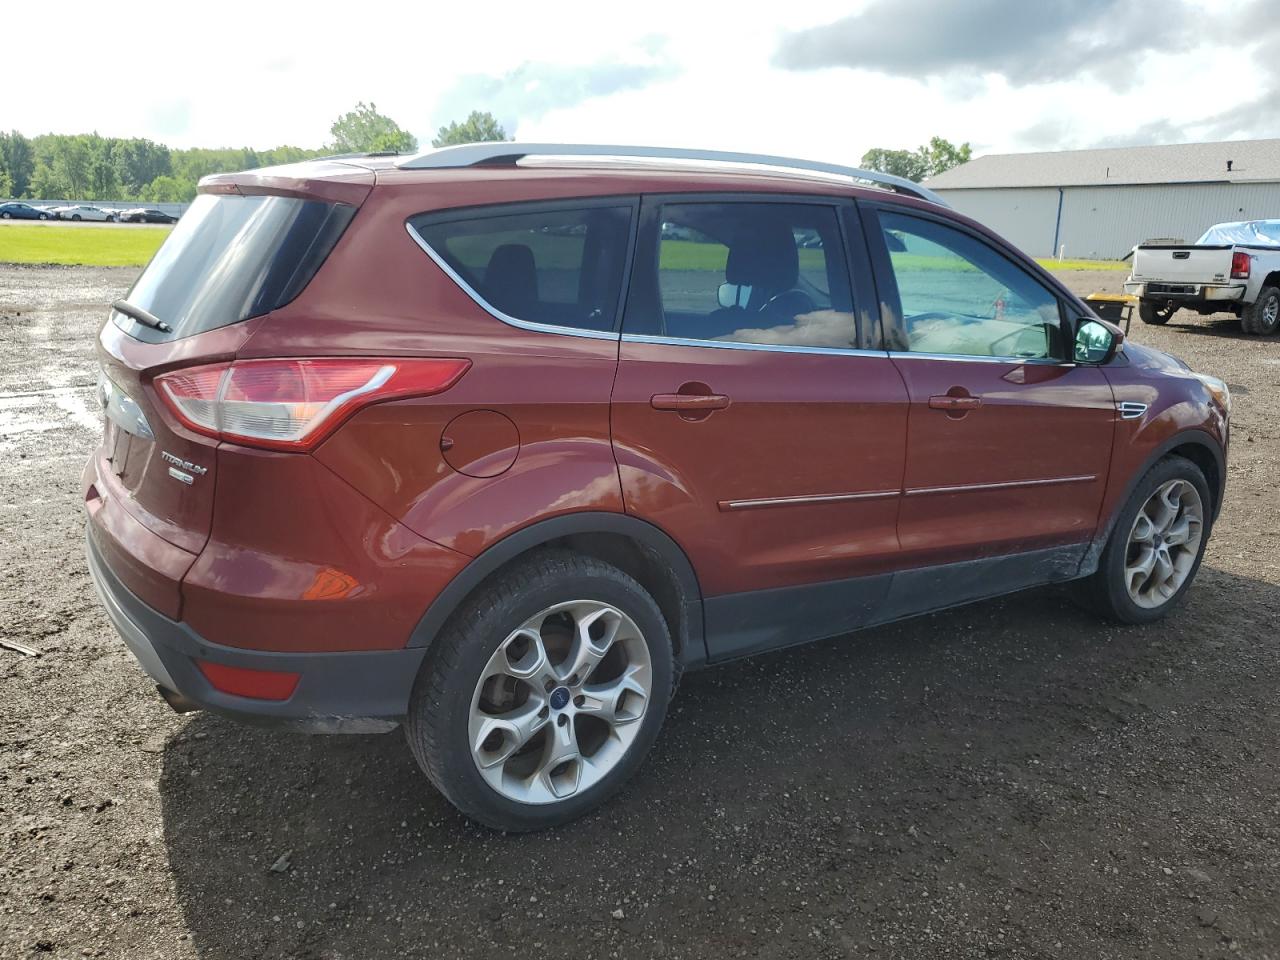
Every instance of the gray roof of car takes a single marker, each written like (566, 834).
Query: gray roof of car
(1252, 160)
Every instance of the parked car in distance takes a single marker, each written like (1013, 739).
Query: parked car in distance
(496, 441)
(17, 210)
(145, 215)
(83, 212)
(1234, 267)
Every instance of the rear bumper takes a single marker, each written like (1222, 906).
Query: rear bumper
(1184, 291)
(337, 692)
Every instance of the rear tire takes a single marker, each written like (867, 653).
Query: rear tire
(1262, 317)
(76, 217)
(44, 216)
(499, 703)
(1168, 542)
(1150, 313)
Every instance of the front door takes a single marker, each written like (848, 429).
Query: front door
(749, 421)
(1009, 441)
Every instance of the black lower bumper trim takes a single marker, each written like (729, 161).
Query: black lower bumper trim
(337, 692)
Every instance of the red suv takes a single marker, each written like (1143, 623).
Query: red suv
(498, 440)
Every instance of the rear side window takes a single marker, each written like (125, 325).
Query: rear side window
(557, 266)
(231, 258)
(744, 272)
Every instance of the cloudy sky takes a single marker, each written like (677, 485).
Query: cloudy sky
(820, 79)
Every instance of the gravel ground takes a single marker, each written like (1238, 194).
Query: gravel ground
(1011, 779)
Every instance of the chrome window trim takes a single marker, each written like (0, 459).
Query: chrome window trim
(1040, 361)
(735, 345)
(999, 485)
(494, 311)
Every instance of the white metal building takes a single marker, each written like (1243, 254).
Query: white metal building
(1098, 203)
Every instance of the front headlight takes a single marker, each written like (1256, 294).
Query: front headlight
(1217, 389)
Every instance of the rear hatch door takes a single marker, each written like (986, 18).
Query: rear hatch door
(232, 259)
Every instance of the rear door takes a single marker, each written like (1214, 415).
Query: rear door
(1009, 441)
(750, 419)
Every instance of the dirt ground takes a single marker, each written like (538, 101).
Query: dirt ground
(1011, 779)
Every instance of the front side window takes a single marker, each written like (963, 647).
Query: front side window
(555, 266)
(765, 273)
(962, 298)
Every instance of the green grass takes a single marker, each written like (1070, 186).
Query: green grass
(115, 246)
(107, 246)
(1049, 263)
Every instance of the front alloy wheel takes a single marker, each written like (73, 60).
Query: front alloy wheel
(1155, 545)
(1164, 544)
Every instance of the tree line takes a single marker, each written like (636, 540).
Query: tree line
(86, 166)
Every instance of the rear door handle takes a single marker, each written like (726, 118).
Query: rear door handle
(689, 402)
(954, 403)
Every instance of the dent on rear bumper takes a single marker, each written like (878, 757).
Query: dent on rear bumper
(337, 692)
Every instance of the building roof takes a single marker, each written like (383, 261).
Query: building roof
(1251, 160)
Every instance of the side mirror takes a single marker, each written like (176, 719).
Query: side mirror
(894, 242)
(1097, 341)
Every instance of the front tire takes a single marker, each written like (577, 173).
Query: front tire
(1262, 317)
(1151, 312)
(543, 694)
(1155, 547)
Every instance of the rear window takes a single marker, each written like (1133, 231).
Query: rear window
(557, 266)
(231, 258)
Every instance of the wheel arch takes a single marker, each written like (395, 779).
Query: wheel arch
(637, 547)
(1200, 448)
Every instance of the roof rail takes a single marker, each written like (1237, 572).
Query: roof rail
(481, 154)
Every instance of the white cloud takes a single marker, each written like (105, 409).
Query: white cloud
(264, 74)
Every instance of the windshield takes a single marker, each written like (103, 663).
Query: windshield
(231, 258)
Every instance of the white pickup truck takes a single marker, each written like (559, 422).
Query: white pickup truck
(1234, 267)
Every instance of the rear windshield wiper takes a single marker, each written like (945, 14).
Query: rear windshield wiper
(144, 317)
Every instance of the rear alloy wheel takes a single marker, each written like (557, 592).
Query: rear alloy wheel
(1262, 317)
(546, 721)
(1149, 311)
(1155, 547)
(543, 694)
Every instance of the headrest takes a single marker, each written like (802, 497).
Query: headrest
(511, 279)
(764, 259)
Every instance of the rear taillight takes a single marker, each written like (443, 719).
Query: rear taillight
(1239, 265)
(294, 404)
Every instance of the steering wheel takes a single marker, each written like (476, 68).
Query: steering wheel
(801, 302)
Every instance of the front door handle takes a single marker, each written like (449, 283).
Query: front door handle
(946, 402)
(689, 402)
